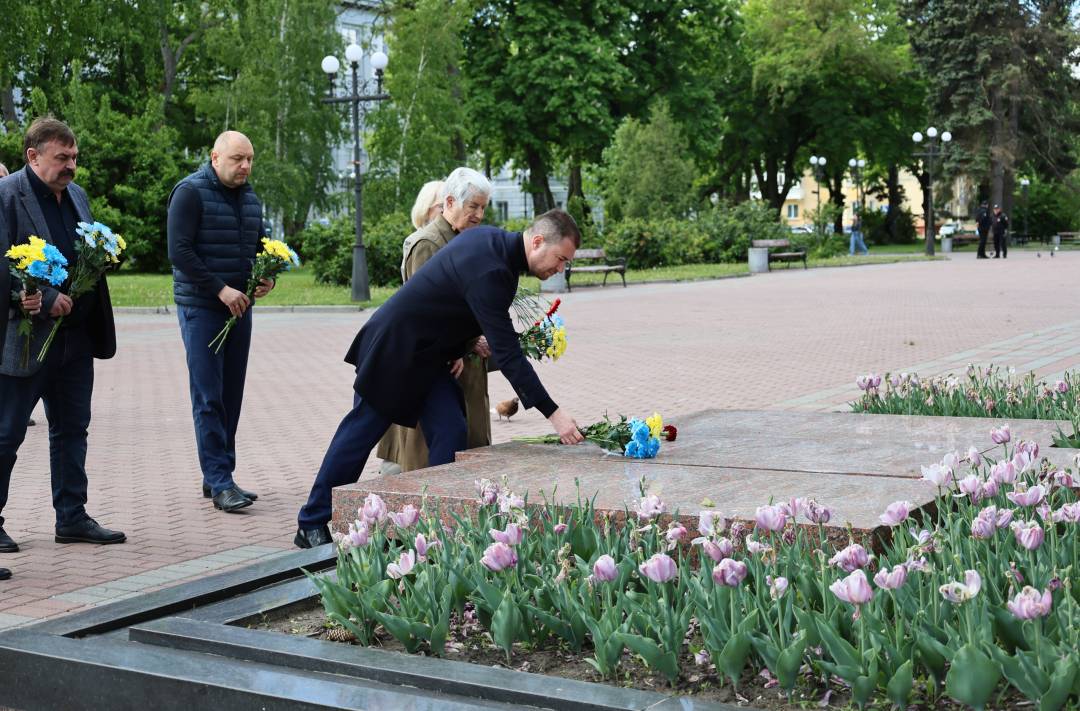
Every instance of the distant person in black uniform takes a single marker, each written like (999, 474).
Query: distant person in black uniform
(1001, 233)
(984, 221)
(409, 354)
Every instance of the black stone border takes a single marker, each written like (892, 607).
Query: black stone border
(179, 648)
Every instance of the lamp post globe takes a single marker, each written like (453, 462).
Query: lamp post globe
(379, 60)
(354, 53)
(330, 65)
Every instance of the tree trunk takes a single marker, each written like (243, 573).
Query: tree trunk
(538, 185)
(574, 188)
(7, 105)
(837, 198)
(892, 222)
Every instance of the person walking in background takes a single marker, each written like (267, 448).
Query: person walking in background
(857, 236)
(464, 198)
(984, 221)
(42, 199)
(1001, 233)
(215, 225)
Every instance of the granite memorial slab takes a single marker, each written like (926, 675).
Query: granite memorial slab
(856, 464)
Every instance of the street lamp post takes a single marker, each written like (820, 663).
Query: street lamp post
(935, 147)
(818, 163)
(361, 290)
(856, 175)
(1024, 185)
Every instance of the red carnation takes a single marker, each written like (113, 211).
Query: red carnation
(670, 433)
(554, 307)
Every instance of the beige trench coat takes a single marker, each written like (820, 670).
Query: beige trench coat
(405, 445)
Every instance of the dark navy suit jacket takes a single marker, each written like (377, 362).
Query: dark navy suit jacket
(464, 291)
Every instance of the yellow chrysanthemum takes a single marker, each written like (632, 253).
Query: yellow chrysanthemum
(655, 423)
(277, 248)
(26, 254)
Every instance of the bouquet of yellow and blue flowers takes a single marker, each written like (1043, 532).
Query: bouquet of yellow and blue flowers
(546, 337)
(98, 250)
(275, 258)
(33, 263)
(630, 437)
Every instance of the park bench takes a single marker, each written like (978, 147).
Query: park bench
(1064, 237)
(792, 254)
(959, 239)
(596, 263)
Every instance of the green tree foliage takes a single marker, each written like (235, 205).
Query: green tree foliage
(647, 171)
(420, 135)
(329, 249)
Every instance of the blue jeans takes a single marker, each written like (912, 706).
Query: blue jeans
(442, 421)
(216, 382)
(67, 389)
(857, 242)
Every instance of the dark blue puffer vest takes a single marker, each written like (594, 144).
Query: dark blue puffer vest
(228, 239)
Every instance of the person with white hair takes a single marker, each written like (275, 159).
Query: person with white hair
(464, 198)
(428, 203)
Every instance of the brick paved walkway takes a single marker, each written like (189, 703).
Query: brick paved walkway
(788, 340)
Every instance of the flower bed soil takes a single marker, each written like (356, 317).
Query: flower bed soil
(470, 643)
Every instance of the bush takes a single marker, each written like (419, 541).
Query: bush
(328, 249)
(874, 231)
(721, 234)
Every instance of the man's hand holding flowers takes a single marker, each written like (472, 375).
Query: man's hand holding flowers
(30, 304)
(265, 287)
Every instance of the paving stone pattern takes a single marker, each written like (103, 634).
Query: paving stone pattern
(789, 340)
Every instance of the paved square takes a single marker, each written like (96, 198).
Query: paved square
(790, 340)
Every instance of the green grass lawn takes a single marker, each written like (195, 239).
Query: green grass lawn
(300, 289)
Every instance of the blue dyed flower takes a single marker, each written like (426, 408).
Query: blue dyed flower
(558, 321)
(651, 448)
(51, 272)
(633, 449)
(640, 433)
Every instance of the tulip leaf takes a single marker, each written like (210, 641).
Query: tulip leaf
(807, 625)
(1061, 683)
(838, 647)
(1016, 675)
(899, 687)
(1009, 629)
(505, 624)
(410, 634)
(492, 596)
(845, 672)
(732, 658)
(748, 623)
(933, 654)
(789, 662)
(557, 626)
(863, 689)
(654, 655)
(972, 677)
(766, 649)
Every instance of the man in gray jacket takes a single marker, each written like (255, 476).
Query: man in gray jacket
(41, 199)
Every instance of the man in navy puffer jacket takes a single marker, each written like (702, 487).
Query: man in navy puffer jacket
(215, 227)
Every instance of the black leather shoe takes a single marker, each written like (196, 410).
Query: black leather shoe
(312, 537)
(231, 500)
(206, 492)
(7, 544)
(88, 531)
(4, 573)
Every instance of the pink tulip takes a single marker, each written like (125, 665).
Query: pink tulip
(971, 486)
(422, 545)
(719, 550)
(938, 475)
(853, 589)
(710, 523)
(1044, 511)
(701, 657)
(1029, 534)
(990, 488)
(403, 566)
(604, 569)
(851, 558)
(1062, 387)
(951, 460)
(649, 507)
(729, 573)
(512, 536)
(1022, 461)
(862, 382)
(1065, 480)
(675, 533)
(407, 518)
(777, 587)
(917, 565)
(499, 556)
(817, 513)
(659, 569)
(974, 456)
(923, 538)
(891, 580)
(982, 528)
(794, 507)
(1029, 603)
(509, 502)
(1003, 472)
(754, 547)
(1068, 513)
(374, 510)
(957, 593)
(1029, 497)
(896, 513)
(487, 491)
(1028, 447)
(359, 534)
(770, 518)
(1000, 435)
(559, 529)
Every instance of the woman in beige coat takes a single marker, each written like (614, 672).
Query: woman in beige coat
(442, 210)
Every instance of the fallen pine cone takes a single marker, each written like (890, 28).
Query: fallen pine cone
(340, 634)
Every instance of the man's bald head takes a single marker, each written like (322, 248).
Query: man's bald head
(232, 157)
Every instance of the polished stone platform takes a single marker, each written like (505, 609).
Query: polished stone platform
(853, 463)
